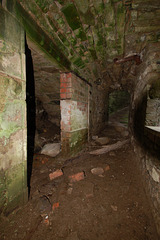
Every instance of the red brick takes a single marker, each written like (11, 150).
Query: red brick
(69, 75)
(68, 90)
(62, 90)
(63, 84)
(63, 95)
(69, 84)
(68, 80)
(63, 77)
(107, 168)
(55, 205)
(77, 177)
(67, 127)
(55, 174)
(69, 95)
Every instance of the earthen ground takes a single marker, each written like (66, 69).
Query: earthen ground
(112, 206)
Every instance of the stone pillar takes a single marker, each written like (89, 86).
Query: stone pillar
(13, 162)
(74, 113)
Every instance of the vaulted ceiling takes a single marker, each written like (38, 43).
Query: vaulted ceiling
(85, 36)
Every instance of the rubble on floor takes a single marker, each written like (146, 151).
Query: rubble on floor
(109, 148)
(51, 149)
(68, 199)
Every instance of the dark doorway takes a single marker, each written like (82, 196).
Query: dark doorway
(31, 112)
(119, 102)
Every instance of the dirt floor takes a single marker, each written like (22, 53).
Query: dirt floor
(108, 203)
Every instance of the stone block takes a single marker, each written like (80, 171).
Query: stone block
(11, 31)
(14, 181)
(11, 89)
(51, 149)
(13, 149)
(155, 174)
(12, 118)
(11, 64)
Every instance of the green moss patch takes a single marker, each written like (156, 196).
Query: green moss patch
(41, 38)
(79, 63)
(72, 16)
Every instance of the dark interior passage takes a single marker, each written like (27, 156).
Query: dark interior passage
(43, 104)
(31, 112)
(119, 106)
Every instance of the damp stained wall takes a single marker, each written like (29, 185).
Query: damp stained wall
(13, 162)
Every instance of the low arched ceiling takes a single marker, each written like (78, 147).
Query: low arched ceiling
(85, 36)
(82, 35)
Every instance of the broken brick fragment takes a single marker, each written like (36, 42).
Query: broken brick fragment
(46, 221)
(55, 174)
(77, 177)
(107, 168)
(55, 205)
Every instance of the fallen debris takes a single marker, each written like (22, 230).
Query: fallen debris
(102, 140)
(55, 174)
(46, 220)
(94, 137)
(134, 57)
(101, 175)
(114, 208)
(43, 205)
(109, 148)
(76, 177)
(55, 205)
(69, 191)
(97, 171)
(107, 168)
(51, 149)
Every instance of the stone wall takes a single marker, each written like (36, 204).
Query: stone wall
(150, 169)
(146, 141)
(152, 138)
(47, 83)
(153, 112)
(13, 162)
(153, 104)
(74, 113)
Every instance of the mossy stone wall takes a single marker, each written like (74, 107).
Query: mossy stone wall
(13, 162)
